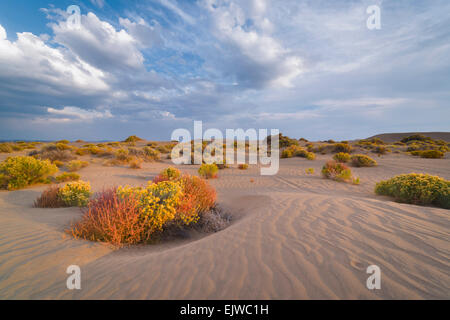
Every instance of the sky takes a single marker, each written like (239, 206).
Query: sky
(311, 69)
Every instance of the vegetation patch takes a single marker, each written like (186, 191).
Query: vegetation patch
(19, 172)
(76, 165)
(127, 216)
(417, 189)
(342, 157)
(336, 171)
(75, 194)
(361, 160)
(208, 171)
(68, 176)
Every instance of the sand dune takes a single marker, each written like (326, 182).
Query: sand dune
(294, 236)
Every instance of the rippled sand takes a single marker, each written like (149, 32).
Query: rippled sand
(295, 236)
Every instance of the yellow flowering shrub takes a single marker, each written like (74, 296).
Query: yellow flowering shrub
(158, 202)
(19, 172)
(417, 189)
(76, 194)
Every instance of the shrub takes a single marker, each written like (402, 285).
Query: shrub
(243, 166)
(416, 137)
(430, 154)
(342, 157)
(336, 171)
(66, 176)
(198, 198)
(123, 156)
(151, 154)
(381, 150)
(309, 171)
(361, 160)
(342, 147)
(114, 219)
(19, 172)
(158, 202)
(49, 199)
(168, 174)
(76, 165)
(75, 194)
(52, 153)
(417, 189)
(136, 163)
(5, 148)
(63, 141)
(208, 171)
(133, 215)
(296, 151)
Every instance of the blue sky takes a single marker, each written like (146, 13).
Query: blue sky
(308, 68)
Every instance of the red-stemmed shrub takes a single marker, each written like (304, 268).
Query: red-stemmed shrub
(113, 219)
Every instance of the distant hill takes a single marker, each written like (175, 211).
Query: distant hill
(392, 137)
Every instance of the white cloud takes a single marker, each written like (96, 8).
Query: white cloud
(75, 113)
(98, 43)
(258, 58)
(54, 69)
(146, 35)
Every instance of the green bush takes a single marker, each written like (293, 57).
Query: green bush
(75, 194)
(342, 147)
(417, 189)
(342, 157)
(19, 172)
(296, 151)
(76, 165)
(208, 171)
(336, 171)
(430, 154)
(66, 176)
(151, 154)
(361, 160)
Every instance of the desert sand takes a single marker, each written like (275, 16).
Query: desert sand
(294, 236)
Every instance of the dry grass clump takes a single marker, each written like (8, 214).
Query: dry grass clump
(126, 216)
(361, 160)
(49, 199)
(58, 163)
(136, 163)
(20, 172)
(54, 152)
(243, 166)
(208, 171)
(417, 189)
(336, 171)
(76, 165)
(342, 157)
(66, 177)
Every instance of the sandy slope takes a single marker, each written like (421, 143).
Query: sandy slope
(294, 237)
